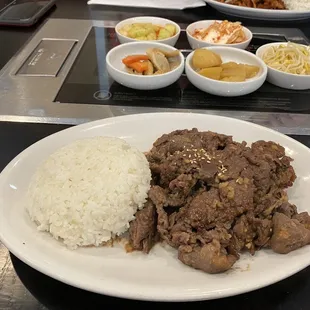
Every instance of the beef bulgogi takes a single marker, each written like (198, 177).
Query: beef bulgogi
(213, 198)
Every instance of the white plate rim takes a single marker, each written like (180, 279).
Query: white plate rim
(130, 294)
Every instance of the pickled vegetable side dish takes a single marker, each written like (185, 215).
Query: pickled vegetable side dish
(155, 61)
(148, 31)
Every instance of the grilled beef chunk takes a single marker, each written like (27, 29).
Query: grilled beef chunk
(212, 198)
(211, 257)
(142, 230)
(288, 234)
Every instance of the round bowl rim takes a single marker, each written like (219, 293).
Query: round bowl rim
(276, 70)
(142, 43)
(218, 44)
(254, 79)
(177, 34)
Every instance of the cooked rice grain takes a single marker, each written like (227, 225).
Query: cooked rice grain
(88, 191)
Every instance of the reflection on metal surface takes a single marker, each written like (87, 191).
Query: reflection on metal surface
(47, 58)
(31, 99)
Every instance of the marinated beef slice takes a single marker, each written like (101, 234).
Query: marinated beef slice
(142, 230)
(213, 198)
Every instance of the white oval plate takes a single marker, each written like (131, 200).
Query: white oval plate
(159, 275)
(261, 14)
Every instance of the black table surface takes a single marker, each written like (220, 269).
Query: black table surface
(24, 288)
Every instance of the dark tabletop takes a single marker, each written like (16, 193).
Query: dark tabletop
(16, 292)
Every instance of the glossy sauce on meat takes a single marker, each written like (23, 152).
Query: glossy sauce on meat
(213, 198)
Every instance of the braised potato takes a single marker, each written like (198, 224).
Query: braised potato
(211, 73)
(233, 78)
(251, 71)
(229, 64)
(204, 58)
(233, 72)
(209, 65)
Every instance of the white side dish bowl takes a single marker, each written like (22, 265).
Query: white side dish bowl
(116, 68)
(196, 43)
(147, 19)
(228, 89)
(283, 79)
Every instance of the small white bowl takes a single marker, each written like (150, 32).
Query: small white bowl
(148, 19)
(228, 89)
(195, 43)
(116, 68)
(283, 79)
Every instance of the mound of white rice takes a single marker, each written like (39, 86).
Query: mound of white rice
(88, 191)
(297, 5)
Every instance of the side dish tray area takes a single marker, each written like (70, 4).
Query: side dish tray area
(89, 83)
(64, 77)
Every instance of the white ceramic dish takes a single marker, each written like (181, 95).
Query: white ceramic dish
(283, 79)
(228, 89)
(195, 43)
(111, 271)
(147, 19)
(117, 71)
(261, 14)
